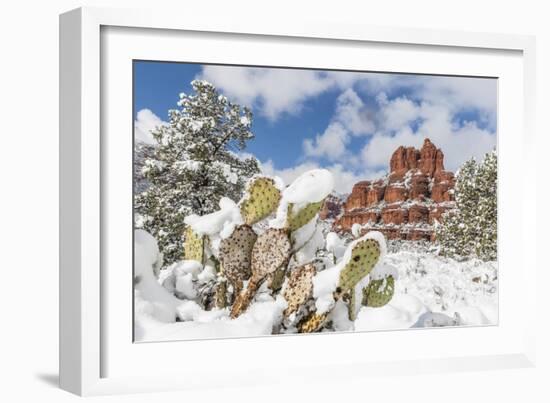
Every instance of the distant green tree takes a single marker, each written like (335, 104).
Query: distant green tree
(471, 228)
(195, 162)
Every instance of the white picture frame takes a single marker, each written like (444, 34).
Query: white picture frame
(95, 352)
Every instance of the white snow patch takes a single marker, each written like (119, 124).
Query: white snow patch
(335, 245)
(162, 304)
(224, 219)
(311, 187)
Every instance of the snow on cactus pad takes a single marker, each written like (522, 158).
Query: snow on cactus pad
(308, 190)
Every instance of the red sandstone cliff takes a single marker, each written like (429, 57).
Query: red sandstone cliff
(406, 203)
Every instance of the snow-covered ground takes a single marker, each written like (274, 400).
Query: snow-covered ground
(430, 291)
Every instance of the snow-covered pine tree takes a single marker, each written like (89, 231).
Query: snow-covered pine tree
(471, 228)
(194, 164)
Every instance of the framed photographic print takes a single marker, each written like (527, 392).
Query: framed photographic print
(316, 199)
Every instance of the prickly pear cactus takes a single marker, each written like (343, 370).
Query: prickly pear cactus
(298, 219)
(262, 198)
(312, 323)
(194, 246)
(364, 256)
(299, 288)
(271, 251)
(379, 292)
(236, 254)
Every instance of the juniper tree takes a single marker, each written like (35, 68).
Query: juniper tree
(471, 228)
(196, 161)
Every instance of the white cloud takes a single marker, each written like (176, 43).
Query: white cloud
(330, 144)
(278, 91)
(146, 121)
(351, 118)
(396, 113)
(274, 91)
(352, 113)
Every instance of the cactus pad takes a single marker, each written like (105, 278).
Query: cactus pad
(296, 220)
(312, 323)
(379, 292)
(271, 251)
(235, 254)
(262, 199)
(220, 295)
(193, 246)
(275, 280)
(364, 256)
(299, 288)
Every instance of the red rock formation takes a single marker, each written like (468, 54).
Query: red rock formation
(358, 196)
(407, 202)
(404, 159)
(332, 208)
(392, 215)
(420, 187)
(395, 194)
(418, 213)
(375, 194)
(431, 159)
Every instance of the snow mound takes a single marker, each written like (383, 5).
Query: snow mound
(160, 303)
(222, 221)
(310, 187)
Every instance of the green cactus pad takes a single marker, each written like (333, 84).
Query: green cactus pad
(379, 292)
(352, 309)
(261, 200)
(235, 254)
(299, 288)
(193, 246)
(364, 256)
(302, 216)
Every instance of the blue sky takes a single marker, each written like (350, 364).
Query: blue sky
(347, 122)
